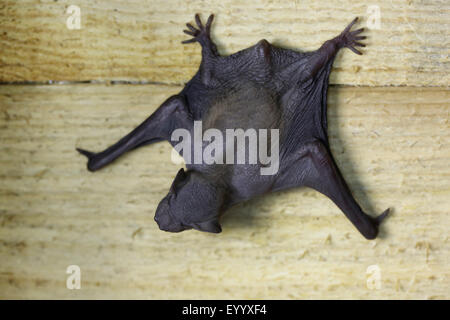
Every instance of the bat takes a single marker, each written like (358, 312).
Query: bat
(261, 87)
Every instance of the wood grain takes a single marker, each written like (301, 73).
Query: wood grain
(392, 145)
(141, 40)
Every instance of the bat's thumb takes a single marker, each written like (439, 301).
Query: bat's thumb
(382, 216)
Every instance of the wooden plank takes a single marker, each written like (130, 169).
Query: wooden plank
(140, 40)
(392, 145)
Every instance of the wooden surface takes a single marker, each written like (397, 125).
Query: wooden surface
(389, 131)
(141, 40)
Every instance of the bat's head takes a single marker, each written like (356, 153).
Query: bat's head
(192, 202)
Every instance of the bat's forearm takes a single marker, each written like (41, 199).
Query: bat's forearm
(172, 113)
(323, 55)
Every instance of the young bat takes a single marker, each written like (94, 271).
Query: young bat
(261, 87)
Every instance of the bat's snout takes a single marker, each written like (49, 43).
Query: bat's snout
(164, 219)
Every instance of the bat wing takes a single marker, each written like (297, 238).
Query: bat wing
(306, 116)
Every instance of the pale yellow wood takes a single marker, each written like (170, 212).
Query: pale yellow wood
(141, 40)
(392, 145)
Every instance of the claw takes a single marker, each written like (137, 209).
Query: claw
(198, 21)
(191, 27)
(202, 31)
(382, 216)
(355, 50)
(86, 153)
(350, 25)
(189, 41)
(191, 33)
(90, 155)
(209, 22)
(357, 31)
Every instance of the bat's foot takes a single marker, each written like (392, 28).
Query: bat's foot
(372, 232)
(92, 164)
(350, 39)
(202, 34)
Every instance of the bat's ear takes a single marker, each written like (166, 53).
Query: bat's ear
(179, 181)
(212, 226)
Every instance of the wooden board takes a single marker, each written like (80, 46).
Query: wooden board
(392, 145)
(141, 40)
